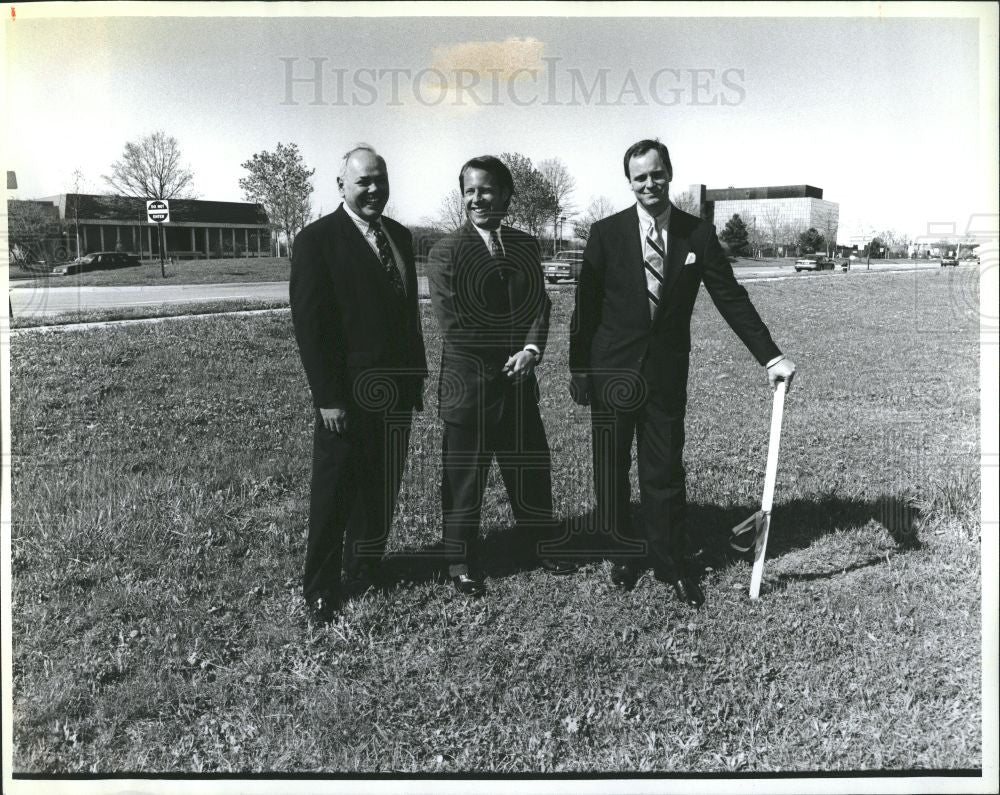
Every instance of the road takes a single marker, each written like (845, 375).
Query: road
(43, 300)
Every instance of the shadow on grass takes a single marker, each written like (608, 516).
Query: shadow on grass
(796, 524)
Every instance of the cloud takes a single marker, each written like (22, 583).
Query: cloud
(488, 58)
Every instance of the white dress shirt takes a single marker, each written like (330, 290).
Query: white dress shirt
(655, 227)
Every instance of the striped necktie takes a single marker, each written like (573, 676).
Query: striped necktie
(388, 261)
(654, 257)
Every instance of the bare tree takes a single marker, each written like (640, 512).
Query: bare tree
(562, 184)
(599, 208)
(755, 237)
(772, 225)
(790, 234)
(686, 202)
(451, 212)
(829, 228)
(150, 168)
(77, 183)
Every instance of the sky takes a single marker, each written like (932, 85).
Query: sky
(884, 114)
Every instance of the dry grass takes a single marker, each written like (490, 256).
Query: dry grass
(160, 488)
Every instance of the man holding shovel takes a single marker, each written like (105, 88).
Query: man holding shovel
(630, 338)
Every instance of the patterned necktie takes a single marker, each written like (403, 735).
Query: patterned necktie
(496, 249)
(654, 257)
(387, 260)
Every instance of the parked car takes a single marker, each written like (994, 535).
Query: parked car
(814, 262)
(564, 265)
(99, 260)
(949, 262)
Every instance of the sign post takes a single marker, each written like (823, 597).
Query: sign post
(158, 212)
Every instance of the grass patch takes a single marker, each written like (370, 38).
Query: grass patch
(187, 271)
(112, 314)
(159, 508)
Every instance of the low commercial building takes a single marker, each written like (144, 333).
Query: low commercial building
(777, 213)
(197, 229)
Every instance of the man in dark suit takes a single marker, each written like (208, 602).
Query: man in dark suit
(354, 307)
(489, 297)
(629, 344)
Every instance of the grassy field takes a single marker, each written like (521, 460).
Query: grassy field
(159, 505)
(188, 271)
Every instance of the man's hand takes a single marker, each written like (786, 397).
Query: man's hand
(335, 420)
(520, 364)
(579, 389)
(782, 370)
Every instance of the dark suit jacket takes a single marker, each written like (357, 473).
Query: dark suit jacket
(613, 338)
(488, 310)
(347, 318)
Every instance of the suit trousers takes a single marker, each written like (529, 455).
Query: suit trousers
(355, 482)
(657, 425)
(517, 441)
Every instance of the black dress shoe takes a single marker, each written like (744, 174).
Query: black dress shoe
(687, 589)
(555, 566)
(623, 576)
(365, 577)
(323, 608)
(470, 586)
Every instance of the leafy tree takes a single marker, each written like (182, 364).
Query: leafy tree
(534, 201)
(562, 184)
(279, 180)
(150, 168)
(599, 208)
(874, 247)
(811, 241)
(735, 235)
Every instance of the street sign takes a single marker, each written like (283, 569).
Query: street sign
(158, 211)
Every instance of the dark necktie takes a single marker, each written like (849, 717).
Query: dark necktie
(496, 249)
(387, 260)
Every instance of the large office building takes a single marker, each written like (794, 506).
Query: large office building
(778, 212)
(201, 229)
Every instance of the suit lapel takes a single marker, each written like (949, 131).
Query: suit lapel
(635, 264)
(678, 247)
(360, 249)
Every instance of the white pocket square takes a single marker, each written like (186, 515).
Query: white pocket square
(690, 258)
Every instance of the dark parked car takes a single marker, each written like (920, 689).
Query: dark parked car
(99, 260)
(814, 262)
(949, 262)
(564, 265)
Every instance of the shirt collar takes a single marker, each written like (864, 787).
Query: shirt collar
(362, 224)
(646, 218)
(485, 234)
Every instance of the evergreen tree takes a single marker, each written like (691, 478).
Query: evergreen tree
(811, 241)
(736, 237)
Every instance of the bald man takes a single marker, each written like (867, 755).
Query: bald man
(354, 307)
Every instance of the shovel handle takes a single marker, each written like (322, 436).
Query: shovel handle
(771, 472)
